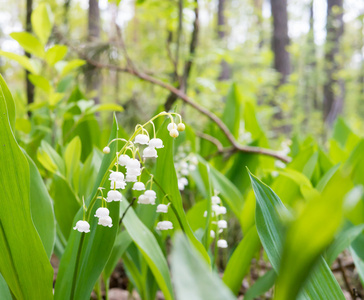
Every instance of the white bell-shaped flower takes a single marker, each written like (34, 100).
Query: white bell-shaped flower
(120, 184)
(142, 139)
(133, 164)
(162, 208)
(183, 180)
(164, 225)
(219, 210)
(102, 212)
(150, 152)
(191, 168)
(133, 172)
(131, 178)
(174, 133)
(171, 126)
(82, 226)
(123, 159)
(222, 243)
(106, 150)
(156, 143)
(142, 199)
(151, 195)
(116, 176)
(113, 196)
(138, 186)
(181, 186)
(215, 200)
(212, 234)
(105, 221)
(222, 224)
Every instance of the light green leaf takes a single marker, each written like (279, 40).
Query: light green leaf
(5, 93)
(150, 249)
(239, 263)
(4, 289)
(23, 261)
(55, 54)
(41, 208)
(191, 275)
(42, 22)
(72, 158)
(41, 82)
(232, 112)
(71, 65)
(24, 61)
(29, 43)
(269, 213)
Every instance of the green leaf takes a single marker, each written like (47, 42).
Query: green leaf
(239, 263)
(232, 112)
(86, 255)
(66, 204)
(41, 208)
(105, 107)
(50, 159)
(24, 61)
(71, 65)
(29, 43)
(342, 241)
(55, 54)
(23, 261)
(6, 95)
(4, 289)
(269, 213)
(41, 82)
(191, 275)
(148, 246)
(167, 181)
(262, 285)
(72, 158)
(42, 22)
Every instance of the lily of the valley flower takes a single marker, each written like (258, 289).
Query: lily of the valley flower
(212, 234)
(102, 212)
(142, 199)
(174, 133)
(106, 150)
(113, 196)
(156, 143)
(105, 221)
(150, 152)
(219, 210)
(164, 225)
(142, 139)
(82, 226)
(123, 159)
(162, 208)
(222, 224)
(151, 195)
(139, 186)
(222, 243)
(215, 200)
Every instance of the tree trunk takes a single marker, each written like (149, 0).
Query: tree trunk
(28, 28)
(93, 76)
(225, 72)
(280, 39)
(333, 88)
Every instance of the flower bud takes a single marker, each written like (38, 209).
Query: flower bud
(174, 133)
(181, 127)
(106, 150)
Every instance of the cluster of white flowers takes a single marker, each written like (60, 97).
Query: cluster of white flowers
(133, 170)
(184, 166)
(217, 210)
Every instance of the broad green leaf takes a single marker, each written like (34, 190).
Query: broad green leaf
(23, 261)
(24, 61)
(191, 275)
(55, 54)
(326, 178)
(71, 65)
(270, 212)
(262, 285)
(342, 241)
(89, 172)
(42, 22)
(148, 245)
(77, 277)
(232, 112)
(4, 289)
(166, 179)
(29, 43)
(41, 82)
(122, 242)
(72, 158)
(41, 208)
(239, 263)
(66, 204)
(50, 159)
(5, 93)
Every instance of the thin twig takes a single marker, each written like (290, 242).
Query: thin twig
(215, 141)
(126, 210)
